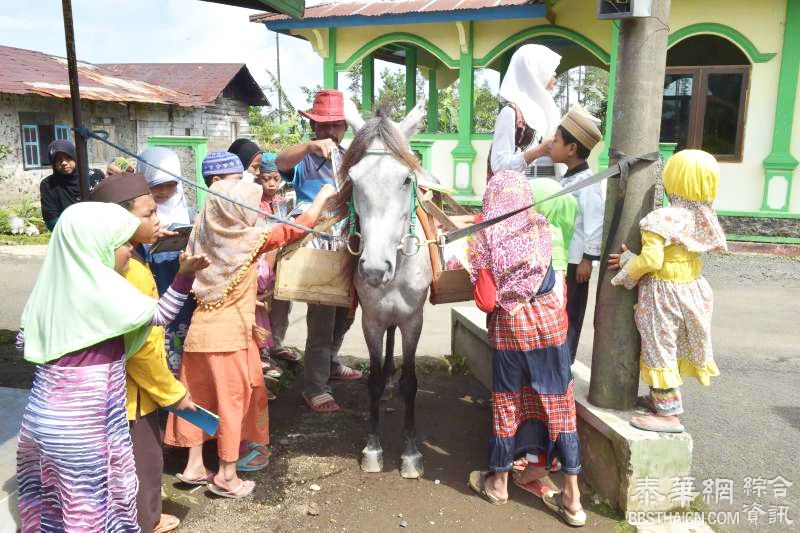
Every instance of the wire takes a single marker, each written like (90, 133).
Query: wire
(87, 133)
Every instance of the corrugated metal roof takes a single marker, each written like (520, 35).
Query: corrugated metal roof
(29, 72)
(202, 81)
(393, 7)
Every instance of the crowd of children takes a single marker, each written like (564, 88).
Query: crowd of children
(90, 448)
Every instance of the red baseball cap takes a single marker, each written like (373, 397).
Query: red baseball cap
(328, 107)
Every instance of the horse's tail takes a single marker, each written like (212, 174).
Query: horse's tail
(388, 362)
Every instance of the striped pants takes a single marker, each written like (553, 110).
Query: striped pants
(75, 468)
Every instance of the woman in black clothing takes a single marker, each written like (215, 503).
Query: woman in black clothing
(62, 188)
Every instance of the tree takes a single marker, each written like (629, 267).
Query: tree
(586, 85)
(485, 110)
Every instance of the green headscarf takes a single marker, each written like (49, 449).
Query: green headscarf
(79, 300)
(560, 213)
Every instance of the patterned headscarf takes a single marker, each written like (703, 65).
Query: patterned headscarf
(690, 180)
(518, 249)
(228, 235)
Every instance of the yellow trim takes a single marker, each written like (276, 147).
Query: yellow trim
(670, 378)
(237, 278)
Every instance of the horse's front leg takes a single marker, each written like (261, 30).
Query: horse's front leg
(372, 454)
(411, 458)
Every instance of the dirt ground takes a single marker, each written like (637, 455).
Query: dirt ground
(324, 450)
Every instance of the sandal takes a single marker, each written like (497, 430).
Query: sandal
(287, 354)
(198, 481)
(270, 368)
(555, 502)
(345, 373)
(538, 487)
(644, 426)
(322, 403)
(244, 490)
(477, 482)
(167, 523)
(519, 465)
(243, 464)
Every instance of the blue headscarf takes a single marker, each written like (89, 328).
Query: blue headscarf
(268, 162)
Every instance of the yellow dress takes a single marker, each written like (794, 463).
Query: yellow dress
(673, 314)
(149, 383)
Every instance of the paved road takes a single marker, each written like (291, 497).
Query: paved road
(746, 424)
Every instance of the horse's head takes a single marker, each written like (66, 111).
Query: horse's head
(383, 171)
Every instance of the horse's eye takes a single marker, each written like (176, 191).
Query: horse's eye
(408, 180)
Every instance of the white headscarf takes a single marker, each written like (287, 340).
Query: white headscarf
(525, 85)
(174, 210)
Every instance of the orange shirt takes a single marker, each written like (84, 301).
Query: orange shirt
(229, 327)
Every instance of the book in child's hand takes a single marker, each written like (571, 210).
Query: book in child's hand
(175, 243)
(202, 418)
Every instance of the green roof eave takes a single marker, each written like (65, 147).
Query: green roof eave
(292, 8)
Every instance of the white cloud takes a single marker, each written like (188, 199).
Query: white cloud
(163, 31)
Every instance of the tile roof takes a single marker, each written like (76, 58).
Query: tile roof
(185, 84)
(201, 81)
(375, 8)
(29, 72)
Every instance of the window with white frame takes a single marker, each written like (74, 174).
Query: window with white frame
(37, 131)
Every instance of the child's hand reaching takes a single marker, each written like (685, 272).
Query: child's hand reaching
(613, 259)
(185, 403)
(190, 264)
(322, 201)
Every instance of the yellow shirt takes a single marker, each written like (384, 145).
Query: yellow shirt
(666, 263)
(148, 379)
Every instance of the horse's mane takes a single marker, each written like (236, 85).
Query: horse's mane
(379, 127)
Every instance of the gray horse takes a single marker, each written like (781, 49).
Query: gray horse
(392, 286)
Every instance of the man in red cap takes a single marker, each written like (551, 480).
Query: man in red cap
(308, 167)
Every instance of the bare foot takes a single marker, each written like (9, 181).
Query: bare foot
(658, 422)
(227, 484)
(531, 473)
(497, 486)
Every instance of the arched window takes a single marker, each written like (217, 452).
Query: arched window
(705, 96)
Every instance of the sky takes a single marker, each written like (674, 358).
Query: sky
(169, 31)
(161, 31)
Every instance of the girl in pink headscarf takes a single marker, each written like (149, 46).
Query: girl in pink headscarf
(533, 400)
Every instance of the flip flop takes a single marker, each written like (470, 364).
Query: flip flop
(199, 481)
(477, 482)
(645, 427)
(538, 487)
(243, 464)
(345, 373)
(244, 490)
(555, 502)
(167, 523)
(287, 354)
(317, 403)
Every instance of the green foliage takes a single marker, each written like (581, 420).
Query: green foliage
(279, 126)
(28, 211)
(587, 86)
(486, 109)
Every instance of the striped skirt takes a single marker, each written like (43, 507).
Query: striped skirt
(75, 468)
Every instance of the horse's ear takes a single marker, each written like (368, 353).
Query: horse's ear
(411, 124)
(425, 178)
(352, 116)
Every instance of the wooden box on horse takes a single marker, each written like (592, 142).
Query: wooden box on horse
(448, 286)
(315, 276)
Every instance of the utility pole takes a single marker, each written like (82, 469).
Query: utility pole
(280, 87)
(75, 97)
(637, 122)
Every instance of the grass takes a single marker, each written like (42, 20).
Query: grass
(15, 240)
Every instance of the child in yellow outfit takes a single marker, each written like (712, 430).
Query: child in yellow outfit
(149, 382)
(673, 314)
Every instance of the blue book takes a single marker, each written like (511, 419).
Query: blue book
(202, 418)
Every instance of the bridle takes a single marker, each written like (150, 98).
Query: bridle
(410, 243)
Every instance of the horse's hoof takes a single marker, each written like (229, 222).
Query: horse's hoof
(372, 461)
(411, 466)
